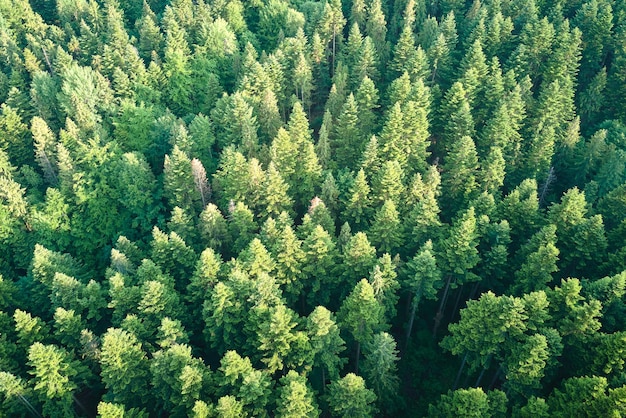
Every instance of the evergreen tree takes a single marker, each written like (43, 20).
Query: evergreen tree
(296, 399)
(423, 280)
(349, 397)
(380, 370)
(367, 102)
(124, 367)
(275, 198)
(459, 174)
(348, 145)
(386, 230)
(358, 207)
(361, 315)
(319, 266)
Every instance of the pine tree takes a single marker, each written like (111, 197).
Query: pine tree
(368, 62)
(388, 184)
(393, 142)
(54, 372)
(361, 315)
(376, 28)
(275, 336)
(459, 174)
(358, 207)
(456, 117)
(124, 367)
(275, 198)
(241, 226)
(492, 171)
(458, 251)
(404, 51)
(296, 398)
(289, 258)
(178, 182)
(213, 227)
(352, 50)
(359, 258)
(383, 279)
(349, 397)
(367, 102)
(540, 256)
(45, 149)
(332, 24)
(422, 219)
(423, 280)
(205, 276)
(386, 230)
(380, 370)
(348, 144)
(358, 12)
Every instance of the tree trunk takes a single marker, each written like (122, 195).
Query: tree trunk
(332, 70)
(458, 375)
(474, 290)
(457, 302)
(442, 304)
(358, 354)
(495, 378)
(416, 300)
(480, 377)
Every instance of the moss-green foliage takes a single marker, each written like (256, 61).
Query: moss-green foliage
(229, 208)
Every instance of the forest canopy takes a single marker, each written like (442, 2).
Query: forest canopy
(299, 208)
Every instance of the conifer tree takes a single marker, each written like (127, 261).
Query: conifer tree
(241, 226)
(348, 142)
(388, 184)
(540, 255)
(423, 280)
(380, 370)
(178, 182)
(367, 102)
(386, 230)
(124, 367)
(358, 207)
(456, 117)
(296, 398)
(332, 24)
(376, 28)
(319, 266)
(422, 219)
(368, 62)
(45, 149)
(359, 258)
(459, 174)
(54, 372)
(361, 315)
(383, 279)
(349, 397)
(275, 198)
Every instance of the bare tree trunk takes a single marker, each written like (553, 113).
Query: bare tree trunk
(415, 302)
(45, 55)
(495, 378)
(480, 377)
(332, 70)
(457, 302)
(442, 304)
(458, 375)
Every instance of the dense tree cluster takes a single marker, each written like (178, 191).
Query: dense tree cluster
(303, 208)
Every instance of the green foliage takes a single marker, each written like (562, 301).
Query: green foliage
(183, 182)
(473, 402)
(349, 397)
